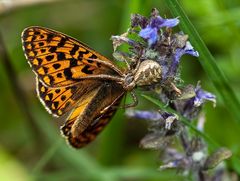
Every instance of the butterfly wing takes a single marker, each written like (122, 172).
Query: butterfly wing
(58, 101)
(89, 118)
(62, 65)
(59, 60)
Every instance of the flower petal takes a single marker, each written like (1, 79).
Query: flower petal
(149, 115)
(190, 50)
(159, 22)
(202, 96)
(150, 34)
(169, 23)
(179, 52)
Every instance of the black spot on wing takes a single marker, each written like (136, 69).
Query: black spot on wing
(50, 37)
(74, 50)
(73, 62)
(42, 50)
(98, 64)
(45, 69)
(52, 49)
(62, 42)
(40, 43)
(50, 95)
(49, 57)
(56, 104)
(59, 75)
(56, 66)
(91, 58)
(39, 61)
(63, 97)
(61, 56)
(51, 79)
(58, 91)
(68, 74)
(86, 70)
(36, 33)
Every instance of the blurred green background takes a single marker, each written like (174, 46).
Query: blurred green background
(31, 147)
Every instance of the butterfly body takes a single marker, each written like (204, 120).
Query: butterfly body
(72, 77)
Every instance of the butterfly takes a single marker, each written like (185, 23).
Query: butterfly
(75, 79)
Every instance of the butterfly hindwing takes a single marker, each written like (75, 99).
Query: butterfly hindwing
(90, 116)
(59, 60)
(89, 134)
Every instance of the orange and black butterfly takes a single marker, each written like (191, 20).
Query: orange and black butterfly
(71, 77)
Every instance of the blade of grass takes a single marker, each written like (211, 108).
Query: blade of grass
(46, 157)
(207, 61)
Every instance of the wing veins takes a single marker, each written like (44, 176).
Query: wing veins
(59, 95)
(60, 105)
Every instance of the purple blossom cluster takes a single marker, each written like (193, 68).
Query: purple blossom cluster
(154, 39)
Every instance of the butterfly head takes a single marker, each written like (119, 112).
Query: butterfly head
(129, 83)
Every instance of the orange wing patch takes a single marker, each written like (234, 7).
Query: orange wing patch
(58, 101)
(60, 60)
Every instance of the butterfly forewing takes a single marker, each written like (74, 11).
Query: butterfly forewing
(60, 60)
(58, 101)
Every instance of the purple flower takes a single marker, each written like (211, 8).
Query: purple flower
(150, 33)
(202, 96)
(187, 49)
(160, 22)
(191, 107)
(159, 119)
(150, 115)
